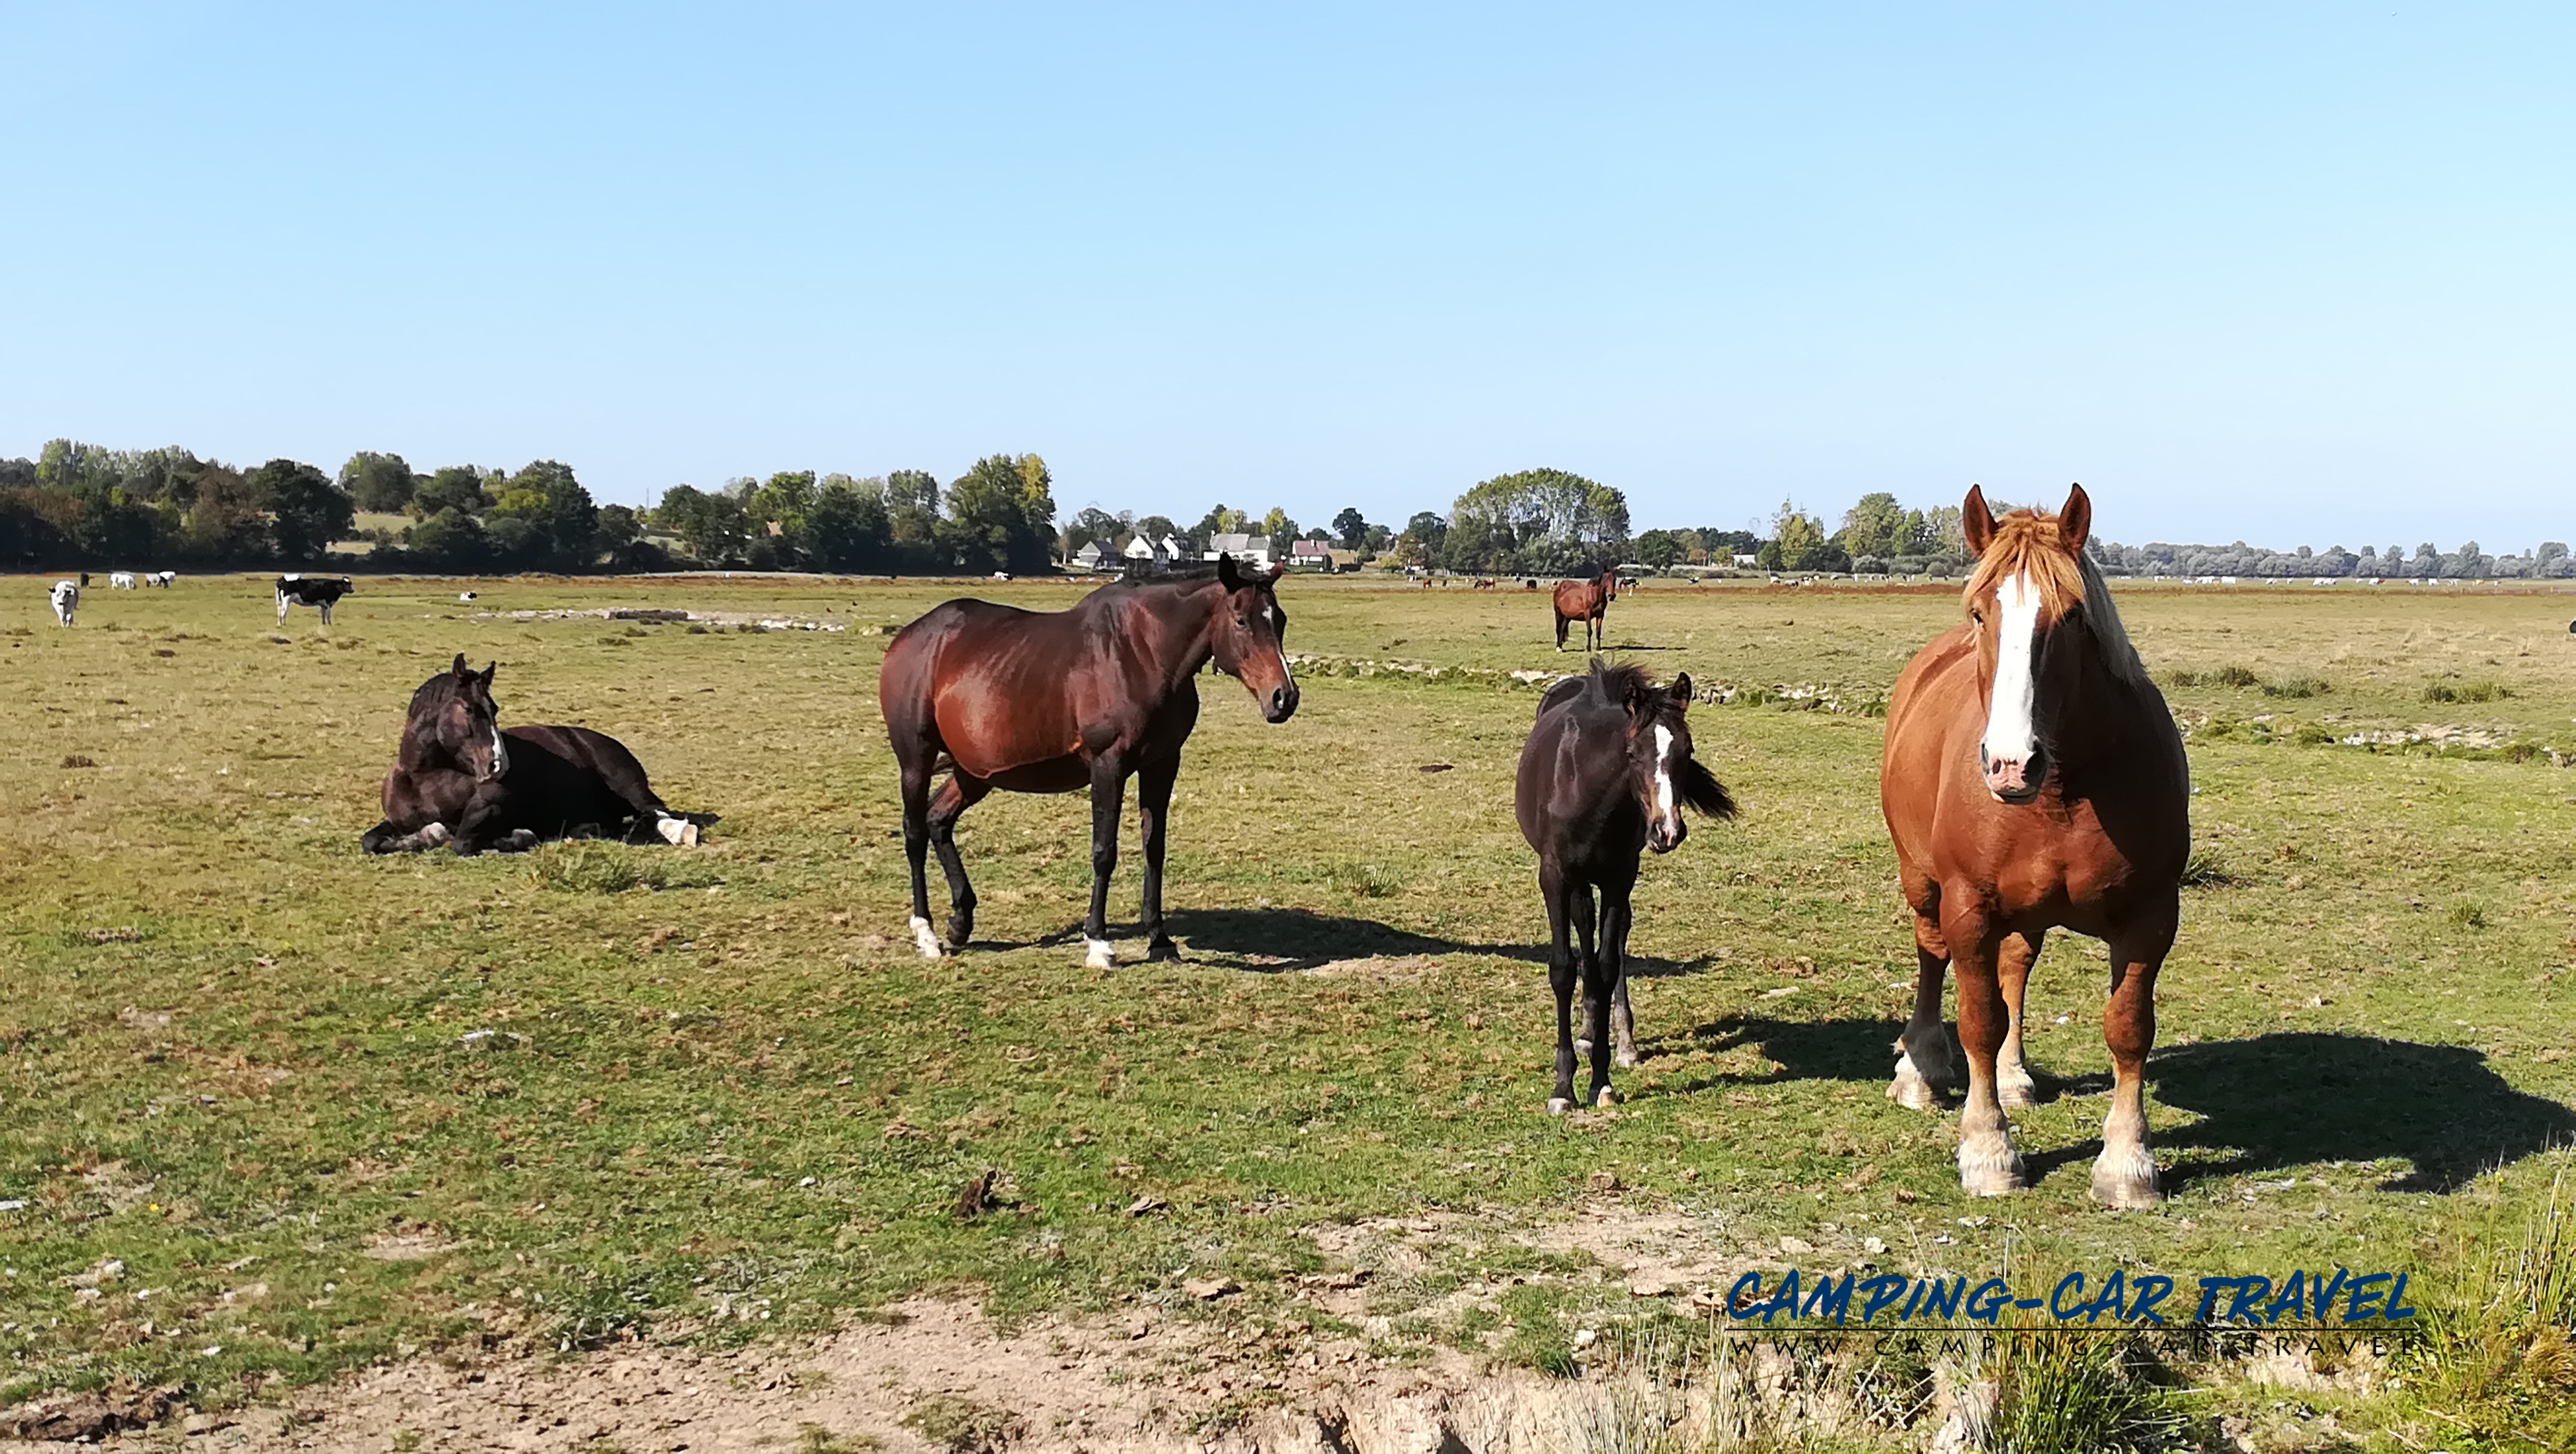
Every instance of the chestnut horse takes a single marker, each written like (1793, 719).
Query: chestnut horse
(1587, 602)
(1058, 701)
(2033, 780)
(1605, 773)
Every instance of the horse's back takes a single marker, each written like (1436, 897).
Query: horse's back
(1559, 780)
(1002, 690)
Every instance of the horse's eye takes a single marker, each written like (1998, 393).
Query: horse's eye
(1977, 616)
(1243, 621)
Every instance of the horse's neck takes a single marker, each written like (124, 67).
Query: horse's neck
(2103, 718)
(421, 751)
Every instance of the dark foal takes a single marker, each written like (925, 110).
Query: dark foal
(1059, 701)
(460, 779)
(1605, 775)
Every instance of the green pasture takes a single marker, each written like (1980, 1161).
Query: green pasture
(720, 1096)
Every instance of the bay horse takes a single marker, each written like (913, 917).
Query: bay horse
(461, 779)
(1587, 602)
(1606, 773)
(2033, 779)
(1057, 701)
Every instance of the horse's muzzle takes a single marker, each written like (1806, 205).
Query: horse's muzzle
(1281, 704)
(1664, 840)
(2013, 780)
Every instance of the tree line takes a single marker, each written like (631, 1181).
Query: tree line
(80, 504)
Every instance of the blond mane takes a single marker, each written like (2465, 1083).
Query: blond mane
(2027, 543)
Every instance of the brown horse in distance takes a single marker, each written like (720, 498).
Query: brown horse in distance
(1587, 602)
(2033, 779)
(1054, 702)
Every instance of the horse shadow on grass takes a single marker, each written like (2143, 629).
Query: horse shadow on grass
(2268, 1103)
(1280, 941)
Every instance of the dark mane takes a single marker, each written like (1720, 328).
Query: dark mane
(433, 693)
(1617, 684)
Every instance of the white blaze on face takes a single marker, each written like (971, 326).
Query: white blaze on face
(1668, 810)
(500, 754)
(1272, 616)
(2011, 734)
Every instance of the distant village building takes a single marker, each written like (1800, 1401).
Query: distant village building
(1247, 549)
(1316, 553)
(1090, 556)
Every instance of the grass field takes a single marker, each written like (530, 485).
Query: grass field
(721, 1099)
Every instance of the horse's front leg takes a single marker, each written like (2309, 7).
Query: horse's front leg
(2125, 1173)
(1616, 916)
(1596, 993)
(1153, 810)
(1562, 970)
(1988, 1164)
(2013, 1085)
(1108, 798)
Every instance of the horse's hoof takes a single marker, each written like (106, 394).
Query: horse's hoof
(1162, 949)
(1582, 1048)
(1559, 1105)
(1913, 1092)
(434, 835)
(2126, 1180)
(1099, 954)
(960, 931)
(924, 940)
(1604, 1097)
(1991, 1170)
(2017, 1095)
(1625, 1057)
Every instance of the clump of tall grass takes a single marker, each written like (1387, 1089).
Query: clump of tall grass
(2234, 676)
(2501, 1359)
(2059, 1395)
(2298, 687)
(2204, 869)
(2467, 692)
(594, 867)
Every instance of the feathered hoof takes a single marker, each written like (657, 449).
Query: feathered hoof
(1559, 1105)
(1912, 1091)
(2126, 1180)
(1991, 1170)
(924, 940)
(1625, 1057)
(2016, 1093)
(1099, 954)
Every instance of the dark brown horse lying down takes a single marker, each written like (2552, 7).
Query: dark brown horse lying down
(461, 779)
(1605, 774)
(1058, 701)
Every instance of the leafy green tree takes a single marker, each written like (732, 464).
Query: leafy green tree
(1000, 515)
(710, 525)
(1874, 526)
(1798, 540)
(378, 482)
(307, 510)
(457, 487)
(849, 525)
(1281, 529)
(619, 526)
(449, 540)
(1350, 527)
(562, 520)
(1661, 549)
(1158, 528)
(1554, 521)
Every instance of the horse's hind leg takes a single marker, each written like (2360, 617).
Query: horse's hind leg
(955, 796)
(2125, 1173)
(1924, 1073)
(1560, 633)
(916, 849)
(2013, 1085)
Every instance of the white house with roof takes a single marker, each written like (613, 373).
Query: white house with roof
(1248, 549)
(1313, 553)
(1090, 557)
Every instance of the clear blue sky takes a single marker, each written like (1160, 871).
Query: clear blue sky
(2292, 273)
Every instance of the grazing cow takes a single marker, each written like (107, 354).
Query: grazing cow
(161, 578)
(316, 591)
(464, 597)
(120, 580)
(1606, 773)
(464, 781)
(1587, 602)
(2033, 779)
(66, 598)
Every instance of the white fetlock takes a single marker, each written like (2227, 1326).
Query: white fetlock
(2015, 1089)
(1910, 1089)
(1099, 954)
(678, 832)
(434, 835)
(2124, 1177)
(1558, 1105)
(923, 939)
(1604, 1097)
(1989, 1166)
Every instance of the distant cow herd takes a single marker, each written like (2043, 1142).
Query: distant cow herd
(293, 589)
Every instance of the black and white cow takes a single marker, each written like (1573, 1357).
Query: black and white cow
(161, 578)
(66, 598)
(316, 591)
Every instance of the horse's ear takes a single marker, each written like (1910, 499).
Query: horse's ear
(2075, 522)
(1681, 688)
(1976, 522)
(1278, 568)
(486, 675)
(461, 669)
(1226, 575)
